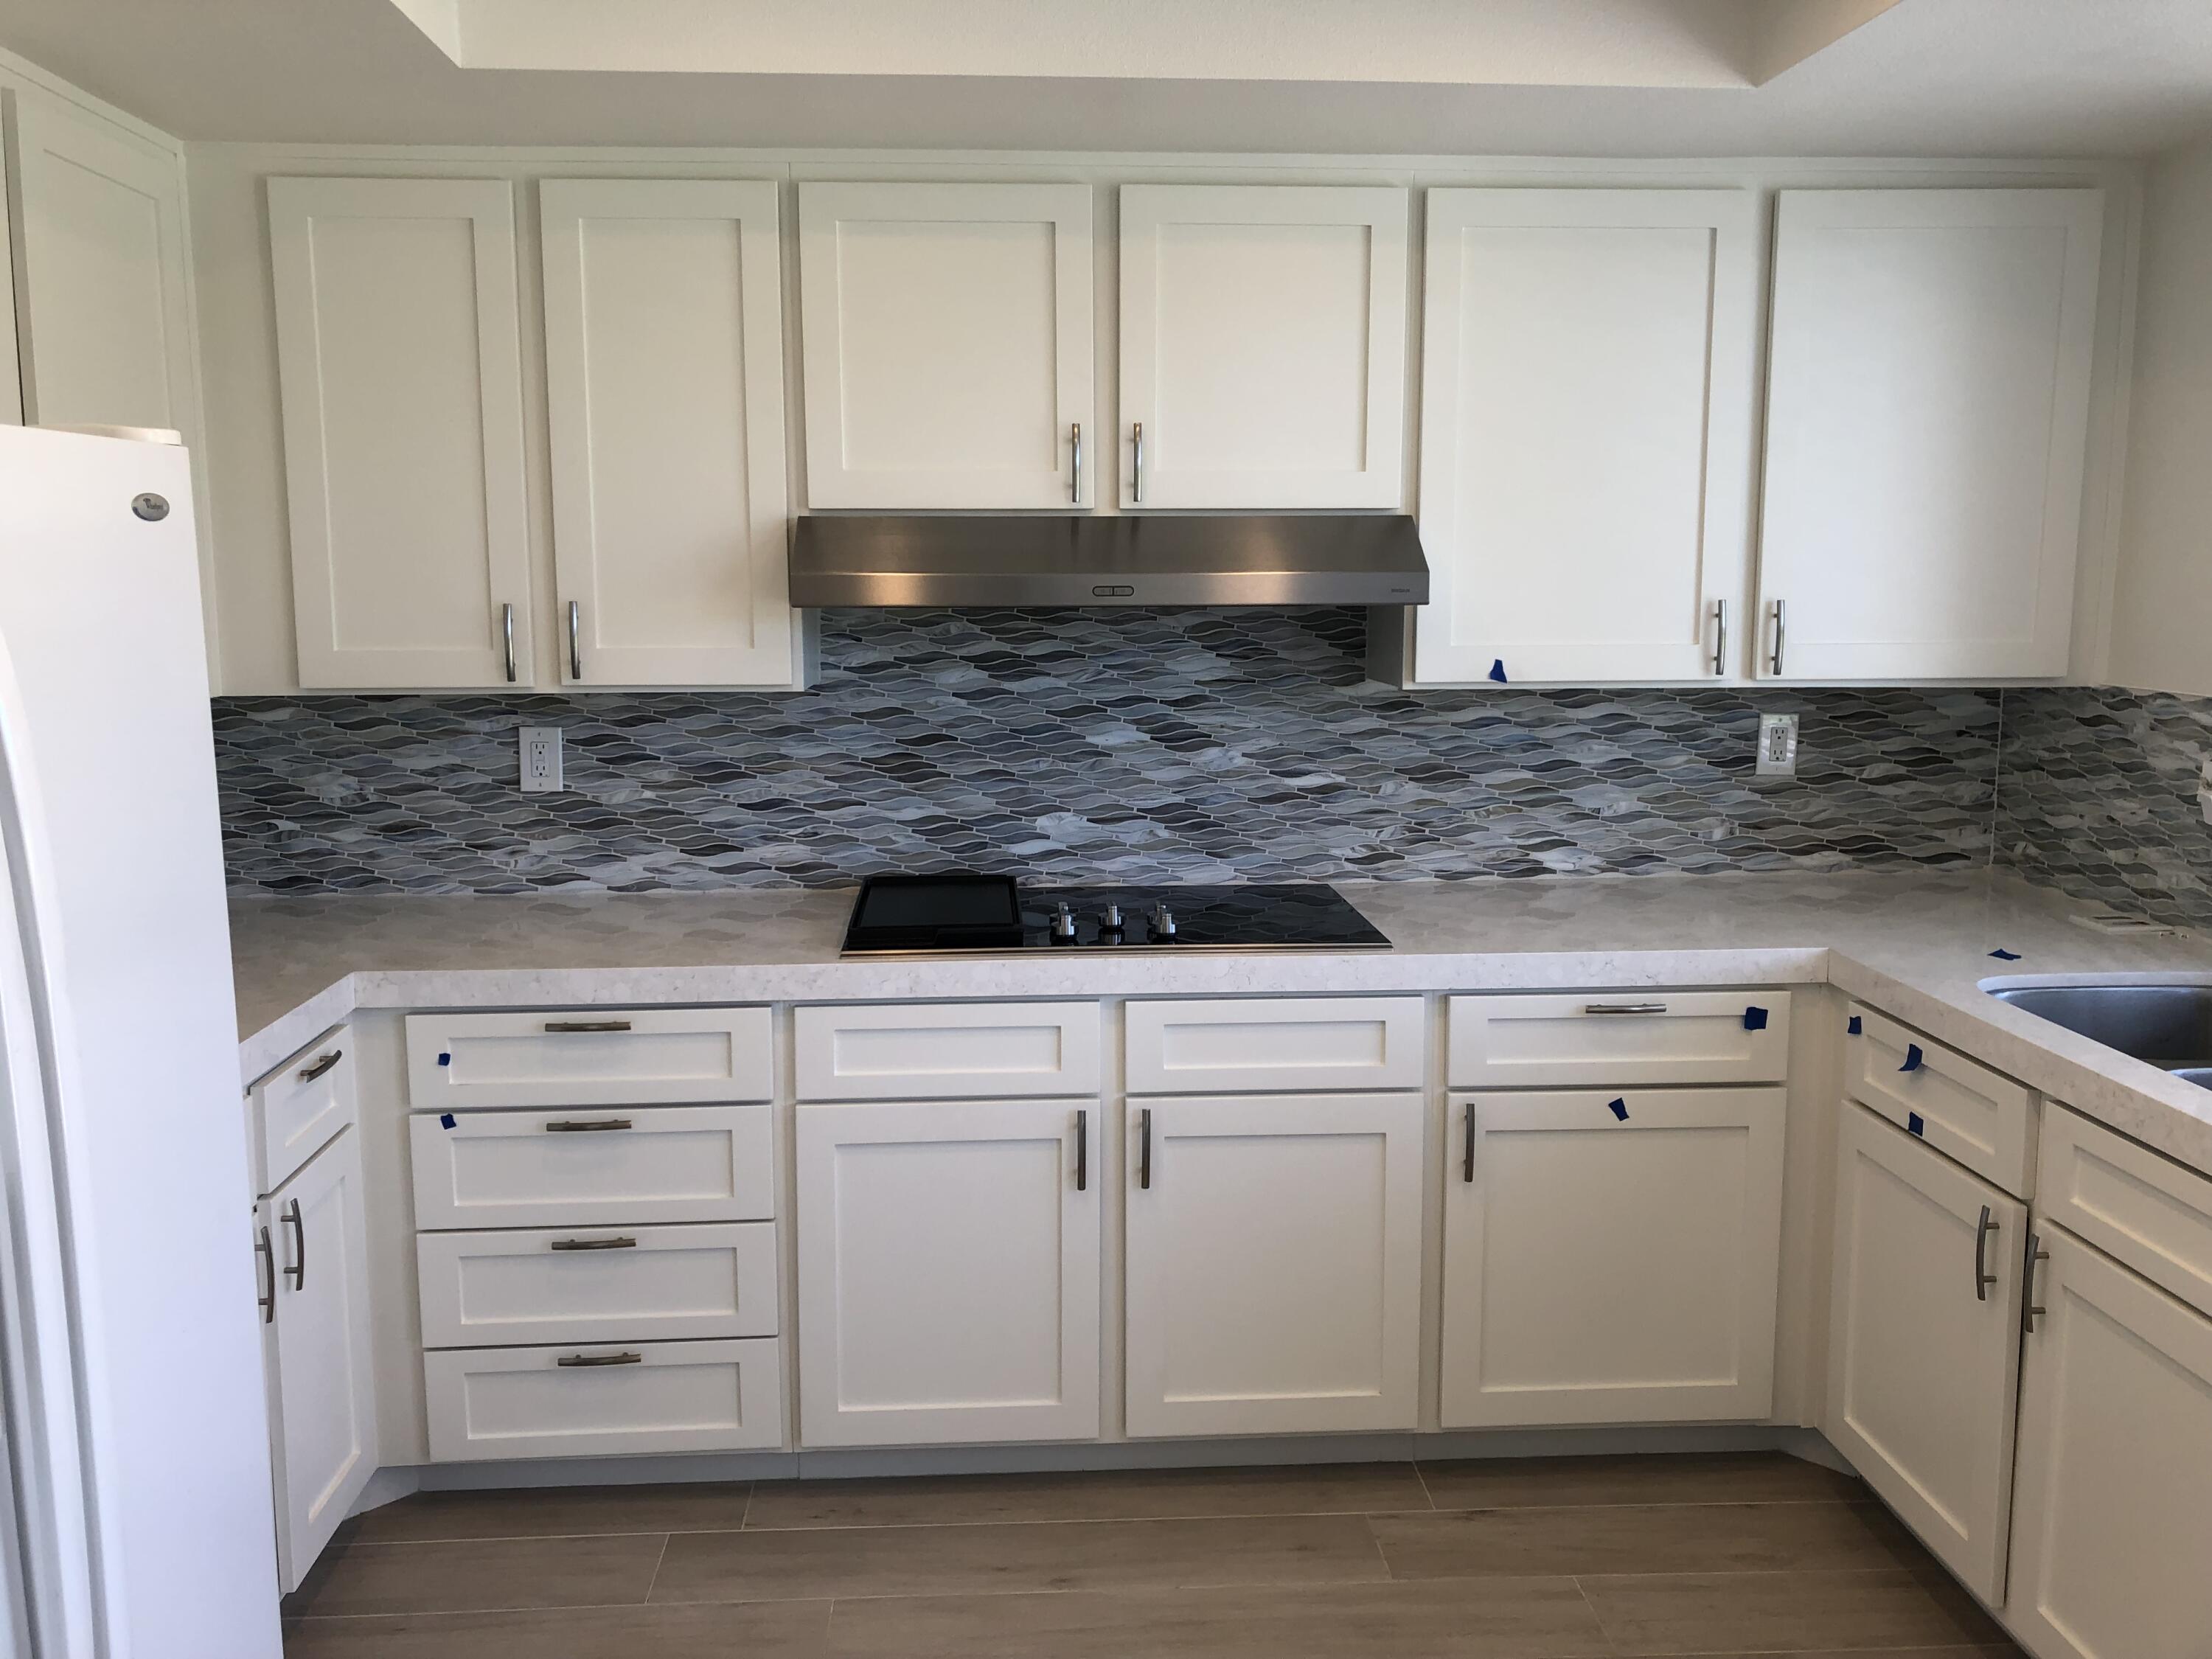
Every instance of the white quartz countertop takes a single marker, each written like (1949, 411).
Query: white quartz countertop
(1915, 944)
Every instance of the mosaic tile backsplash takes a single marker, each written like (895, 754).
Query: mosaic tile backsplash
(1088, 746)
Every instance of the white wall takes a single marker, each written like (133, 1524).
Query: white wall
(2162, 612)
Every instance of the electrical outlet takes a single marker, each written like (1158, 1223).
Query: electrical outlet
(541, 759)
(1778, 746)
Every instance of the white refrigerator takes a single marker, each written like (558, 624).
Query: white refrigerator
(135, 1518)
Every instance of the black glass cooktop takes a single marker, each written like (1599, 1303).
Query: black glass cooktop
(970, 913)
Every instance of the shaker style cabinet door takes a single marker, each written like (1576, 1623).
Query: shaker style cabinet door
(1927, 422)
(664, 357)
(1924, 1354)
(947, 332)
(399, 359)
(948, 1272)
(1263, 346)
(1587, 395)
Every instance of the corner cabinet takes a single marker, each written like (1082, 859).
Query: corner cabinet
(399, 354)
(1262, 346)
(947, 346)
(1586, 458)
(1927, 420)
(663, 349)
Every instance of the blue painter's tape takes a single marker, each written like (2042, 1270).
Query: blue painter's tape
(446, 1120)
(1754, 1019)
(1913, 1058)
(2006, 955)
(1914, 1125)
(1620, 1109)
(445, 1059)
(1498, 670)
(1858, 1027)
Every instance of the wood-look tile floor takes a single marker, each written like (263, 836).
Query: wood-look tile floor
(1752, 1555)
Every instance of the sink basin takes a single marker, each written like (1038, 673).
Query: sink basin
(2168, 1025)
(2199, 1075)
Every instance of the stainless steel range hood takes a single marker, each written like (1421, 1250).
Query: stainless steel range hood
(1152, 559)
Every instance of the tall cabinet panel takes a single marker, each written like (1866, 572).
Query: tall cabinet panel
(1263, 346)
(1587, 397)
(400, 356)
(1927, 424)
(948, 345)
(663, 348)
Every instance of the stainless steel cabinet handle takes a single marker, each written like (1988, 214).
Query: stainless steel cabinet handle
(583, 1126)
(594, 1244)
(1082, 1151)
(1982, 1277)
(1624, 1007)
(572, 1026)
(1075, 462)
(298, 1271)
(507, 631)
(1144, 1148)
(262, 1249)
(1720, 638)
(1137, 468)
(600, 1359)
(1781, 636)
(2028, 1306)
(1467, 1158)
(575, 640)
(320, 1066)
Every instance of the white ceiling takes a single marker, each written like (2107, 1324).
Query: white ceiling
(1949, 77)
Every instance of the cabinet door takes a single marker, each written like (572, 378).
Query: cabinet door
(1263, 345)
(2113, 1510)
(398, 356)
(947, 346)
(326, 1427)
(948, 1272)
(1275, 1264)
(1927, 422)
(1610, 1257)
(1923, 1355)
(1587, 397)
(663, 359)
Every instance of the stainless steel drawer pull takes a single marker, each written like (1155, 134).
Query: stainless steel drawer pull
(575, 640)
(1720, 638)
(1075, 462)
(1137, 470)
(572, 1026)
(507, 634)
(585, 1126)
(1144, 1149)
(1781, 635)
(1624, 1007)
(1982, 1277)
(594, 1243)
(1082, 1151)
(297, 1272)
(320, 1066)
(267, 1253)
(1467, 1161)
(2029, 1310)
(600, 1359)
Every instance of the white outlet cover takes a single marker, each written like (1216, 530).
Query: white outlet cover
(1778, 746)
(540, 757)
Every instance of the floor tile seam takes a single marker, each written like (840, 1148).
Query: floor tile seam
(982, 1592)
(1060, 1521)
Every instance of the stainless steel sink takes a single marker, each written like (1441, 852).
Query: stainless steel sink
(2199, 1075)
(2168, 1025)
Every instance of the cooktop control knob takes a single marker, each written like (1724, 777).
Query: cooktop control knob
(1063, 925)
(1110, 923)
(1163, 922)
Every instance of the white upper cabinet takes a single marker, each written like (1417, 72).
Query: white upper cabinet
(1927, 425)
(399, 357)
(664, 357)
(105, 336)
(1586, 434)
(947, 334)
(1262, 346)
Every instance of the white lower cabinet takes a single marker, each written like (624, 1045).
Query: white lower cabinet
(2112, 1512)
(1275, 1268)
(948, 1272)
(1924, 1354)
(604, 1398)
(311, 1239)
(1611, 1257)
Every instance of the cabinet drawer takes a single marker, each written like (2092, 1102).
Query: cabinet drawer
(593, 1169)
(589, 1057)
(1312, 1043)
(597, 1284)
(641, 1397)
(297, 1108)
(1958, 1106)
(2145, 1211)
(940, 1051)
(1619, 1037)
